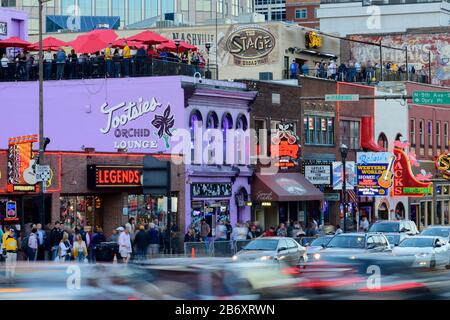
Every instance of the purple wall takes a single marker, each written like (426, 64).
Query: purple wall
(16, 21)
(74, 116)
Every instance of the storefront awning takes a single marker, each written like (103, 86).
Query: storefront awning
(318, 53)
(284, 187)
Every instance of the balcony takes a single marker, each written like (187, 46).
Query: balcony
(99, 68)
(380, 2)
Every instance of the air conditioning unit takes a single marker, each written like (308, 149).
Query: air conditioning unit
(266, 76)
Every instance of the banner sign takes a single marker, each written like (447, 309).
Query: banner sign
(211, 190)
(285, 146)
(338, 174)
(11, 211)
(374, 170)
(21, 165)
(405, 184)
(318, 174)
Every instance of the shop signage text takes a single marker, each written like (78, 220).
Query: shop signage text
(114, 176)
(332, 197)
(21, 165)
(264, 196)
(374, 170)
(443, 165)
(318, 174)
(285, 148)
(251, 45)
(405, 184)
(196, 39)
(211, 190)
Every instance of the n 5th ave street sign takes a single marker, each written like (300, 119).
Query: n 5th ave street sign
(428, 97)
(341, 97)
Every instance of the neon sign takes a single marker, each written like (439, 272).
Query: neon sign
(405, 184)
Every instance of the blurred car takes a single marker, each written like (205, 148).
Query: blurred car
(404, 226)
(429, 251)
(395, 238)
(351, 244)
(317, 245)
(281, 249)
(437, 231)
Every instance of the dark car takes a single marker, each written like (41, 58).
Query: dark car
(402, 226)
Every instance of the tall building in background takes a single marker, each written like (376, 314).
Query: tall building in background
(273, 10)
(303, 12)
(131, 12)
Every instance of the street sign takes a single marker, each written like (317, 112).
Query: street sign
(341, 97)
(43, 173)
(428, 97)
(332, 197)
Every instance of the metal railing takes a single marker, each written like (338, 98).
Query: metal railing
(101, 68)
(216, 248)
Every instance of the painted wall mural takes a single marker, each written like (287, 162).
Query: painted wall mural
(419, 46)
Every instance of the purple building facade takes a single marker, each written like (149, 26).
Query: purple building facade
(13, 23)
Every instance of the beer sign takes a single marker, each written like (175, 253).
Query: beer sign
(443, 165)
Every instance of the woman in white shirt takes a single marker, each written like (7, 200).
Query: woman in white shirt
(80, 249)
(125, 245)
(65, 249)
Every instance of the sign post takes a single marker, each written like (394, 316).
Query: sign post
(429, 97)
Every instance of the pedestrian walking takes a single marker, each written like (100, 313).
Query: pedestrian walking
(10, 247)
(154, 240)
(56, 236)
(32, 247)
(282, 231)
(221, 232)
(115, 235)
(80, 251)
(125, 248)
(41, 237)
(97, 239)
(65, 248)
(205, 229)
(142, 241)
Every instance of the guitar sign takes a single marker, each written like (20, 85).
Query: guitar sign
(385, 181)
(375, 175)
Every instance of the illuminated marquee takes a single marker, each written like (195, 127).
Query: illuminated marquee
(312, 40)
(114, 176)
(443, 165)
(21, 165)
(405, 184)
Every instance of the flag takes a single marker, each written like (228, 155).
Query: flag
(352, 197)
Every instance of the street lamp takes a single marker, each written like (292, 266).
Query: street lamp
(344, 153)
(177, 44)
(208, 72)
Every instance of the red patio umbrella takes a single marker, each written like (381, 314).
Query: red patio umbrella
(14, 42)
(93, 41)
(171, 46)
(50, 43)
(148, 37)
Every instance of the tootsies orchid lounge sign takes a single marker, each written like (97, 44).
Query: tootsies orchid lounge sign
(136, 115)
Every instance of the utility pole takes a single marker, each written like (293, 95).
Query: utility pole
(41, 113)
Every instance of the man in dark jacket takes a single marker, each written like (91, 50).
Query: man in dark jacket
(154, 240)
(56, 236)
(141, 241)
(97, 238)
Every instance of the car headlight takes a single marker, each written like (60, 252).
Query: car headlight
(235, 258)
(265, 258)
(316, 256)
(422, 255)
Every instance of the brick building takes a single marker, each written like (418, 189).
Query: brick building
(304, 12)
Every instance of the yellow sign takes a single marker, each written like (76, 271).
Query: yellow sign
(443, 165)
(313, 40)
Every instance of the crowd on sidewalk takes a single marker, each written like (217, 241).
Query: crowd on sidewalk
(113, 62)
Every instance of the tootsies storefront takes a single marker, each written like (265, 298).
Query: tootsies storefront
(99, 135)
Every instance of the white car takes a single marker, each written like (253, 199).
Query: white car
(429, 251)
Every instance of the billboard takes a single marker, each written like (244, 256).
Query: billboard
(338, 174)
(374, 170)
(318, 174)
(137, 115)
(21, 164)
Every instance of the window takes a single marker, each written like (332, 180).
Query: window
(318, 130)
(383, 142)
(195, 121)
(134, 11)
(101, 7)
(67, 7)
(219, 6)
(85, 7)
(421, 133)
(301, 13)
(350, 133)
(438, 134)
(446, 135)
(203, 5)
(235, 7)
(260, 128)
(276, 98)
(118, 9)
(167, 6)
(184, 5)
(412, 132)
(315, 12)
(151, 8)
(430, 137)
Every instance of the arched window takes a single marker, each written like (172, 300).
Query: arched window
(212, 121)
(227, 122)
(383, 142)
(400, 211)
(241, 198)
(241, 123)
(195, 121)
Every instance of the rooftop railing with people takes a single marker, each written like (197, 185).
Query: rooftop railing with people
(99, 67)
